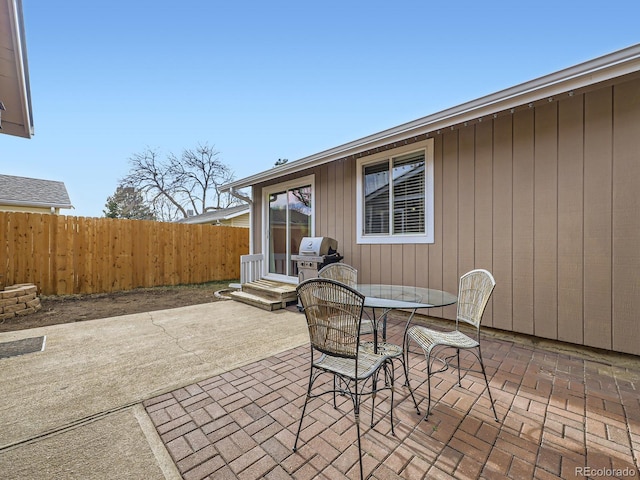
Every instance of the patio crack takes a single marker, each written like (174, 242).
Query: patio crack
(175, 339)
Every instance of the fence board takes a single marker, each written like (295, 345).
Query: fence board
(65, 255)
(43, 249)
(4, 254)
(11, 252)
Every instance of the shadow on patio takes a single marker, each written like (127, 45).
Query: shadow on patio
(564, 413)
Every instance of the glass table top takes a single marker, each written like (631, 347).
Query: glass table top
(404, 296)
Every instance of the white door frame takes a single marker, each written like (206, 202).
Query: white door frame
(266, 192)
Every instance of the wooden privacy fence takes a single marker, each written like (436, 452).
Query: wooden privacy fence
(66, 255)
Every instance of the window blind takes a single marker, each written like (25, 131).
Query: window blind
(395, 196)
(376, 188)
(409, 194)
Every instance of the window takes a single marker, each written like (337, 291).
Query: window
(395, 196)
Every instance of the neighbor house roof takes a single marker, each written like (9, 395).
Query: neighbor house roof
(16, 117)
(33, 192)
(546, 88)
(215, 216)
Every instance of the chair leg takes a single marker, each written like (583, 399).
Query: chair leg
(373, 398)
(359, 445)
(389, 380)
(356, 411)
(389, 375)
(486, 381)
(304, 407)
(459, 374)
(392, 376)
(405, 355)
(335, 387)
(428, 357)
(405, 366)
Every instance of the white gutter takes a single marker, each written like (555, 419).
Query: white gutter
(584, 74)
(237, 214)
(20, 203)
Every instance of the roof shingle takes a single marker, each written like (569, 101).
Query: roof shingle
(33, 192)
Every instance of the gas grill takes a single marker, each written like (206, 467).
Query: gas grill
(315, 253)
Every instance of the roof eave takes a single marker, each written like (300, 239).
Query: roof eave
(19, 123)
(588, 73)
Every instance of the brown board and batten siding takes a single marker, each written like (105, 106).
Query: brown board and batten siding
(570, 220)
(626, 215)
(546, 197)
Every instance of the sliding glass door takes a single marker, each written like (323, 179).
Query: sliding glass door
(289, 217)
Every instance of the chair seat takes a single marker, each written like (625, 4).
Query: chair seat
(428, 339)
(389, 349)
(368, 363)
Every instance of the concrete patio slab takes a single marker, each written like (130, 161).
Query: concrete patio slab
(92, 373)
(117, 445)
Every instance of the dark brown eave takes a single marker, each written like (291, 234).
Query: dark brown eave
(15, 93)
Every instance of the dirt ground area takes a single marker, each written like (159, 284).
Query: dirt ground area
(76, 308)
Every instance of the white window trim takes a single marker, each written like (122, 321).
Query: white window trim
(266, 192)
(428, 236)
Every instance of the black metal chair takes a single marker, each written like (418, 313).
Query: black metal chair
(334, 311)
(474, 291)
(348, 275)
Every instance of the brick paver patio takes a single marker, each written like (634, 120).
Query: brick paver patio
(563, 414)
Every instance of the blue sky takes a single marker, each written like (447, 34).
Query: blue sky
(267, 80)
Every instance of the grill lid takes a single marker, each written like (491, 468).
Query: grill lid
(318, 246)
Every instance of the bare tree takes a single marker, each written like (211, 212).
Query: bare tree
(180, 184)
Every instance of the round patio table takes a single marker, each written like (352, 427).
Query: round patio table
(398, 297)
(401, 297)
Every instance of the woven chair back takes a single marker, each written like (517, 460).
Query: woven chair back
(340, 272)
(474, 291)
(333, 312)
